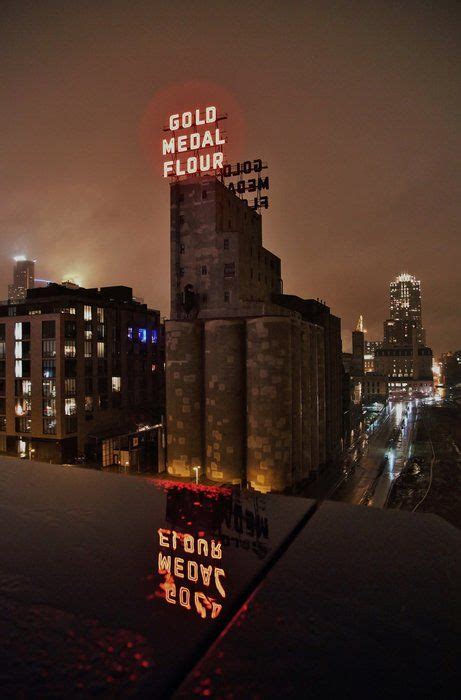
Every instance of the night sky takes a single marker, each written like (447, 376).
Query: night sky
(354, 105)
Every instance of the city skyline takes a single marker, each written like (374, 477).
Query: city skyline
(347, 343)
(355, 113)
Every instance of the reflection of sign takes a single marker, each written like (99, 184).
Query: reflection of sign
(203, 145)
(248, 185)
(250, 527)
(191, 577)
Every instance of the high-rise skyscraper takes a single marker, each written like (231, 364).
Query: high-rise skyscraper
(405, 314)
(23, 279)
(401, 366)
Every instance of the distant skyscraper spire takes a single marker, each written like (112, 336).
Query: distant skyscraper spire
(360, 326)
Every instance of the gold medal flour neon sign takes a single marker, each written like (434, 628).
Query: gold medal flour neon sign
(196, 151)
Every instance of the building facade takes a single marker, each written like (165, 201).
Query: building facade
(246, 387)
(405, 312)
(80, 376)
(370, 348)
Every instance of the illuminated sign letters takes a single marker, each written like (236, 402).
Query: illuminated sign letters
(208, 140)
(192, 575)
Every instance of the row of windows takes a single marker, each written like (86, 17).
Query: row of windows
(226, 246)
(228, 270)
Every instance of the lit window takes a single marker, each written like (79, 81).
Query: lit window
(18, 349)
(18, 331)
(70, 407)
(87, 314)
(18, 368)
(116, 383)
(70, 348)
(142, 335)
(100, 315)
(88, 348)
(130, 333)
(101, 349)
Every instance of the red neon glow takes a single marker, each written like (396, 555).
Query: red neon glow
(179, 98)
(187, 582)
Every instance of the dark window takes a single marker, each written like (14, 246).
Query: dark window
(70, 329)
(204, 270)
(70, 387)
(2, 331)
(182, 248)
(226, 244)
(26, 330)
(70, 368)
(226, 297)
(181, 220)
(48, 329)
(229, 269)
(71, 424)
(204, 299)
(23, 424)
(204, 194)
(26, 368)
(181, 271)
(26, 348)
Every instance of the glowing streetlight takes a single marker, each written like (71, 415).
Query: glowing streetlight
(196, 470)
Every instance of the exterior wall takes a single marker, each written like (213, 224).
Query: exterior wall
(245, 400)
(358, 353)
(225, 404)
(403, 361)
(217, 259)
(184, 386)
(323, 424)
(270, 366)
(318, 313)
(374, 387)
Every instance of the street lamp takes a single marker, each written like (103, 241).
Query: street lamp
(196, 470)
